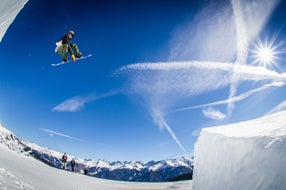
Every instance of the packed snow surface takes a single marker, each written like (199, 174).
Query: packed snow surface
(9, 10)
(246, 155)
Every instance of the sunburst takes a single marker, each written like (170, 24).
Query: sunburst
(266, 53)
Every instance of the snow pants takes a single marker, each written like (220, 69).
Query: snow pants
(64, 165)
(63, 50)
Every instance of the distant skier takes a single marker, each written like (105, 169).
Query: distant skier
(64, 46)
(64, 161)
(72, 164)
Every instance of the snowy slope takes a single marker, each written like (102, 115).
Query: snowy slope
(246, 155)
(9, 10)
(21, 172)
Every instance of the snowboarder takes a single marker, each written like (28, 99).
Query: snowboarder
(64, 46)
(72, 164)
(64, 161)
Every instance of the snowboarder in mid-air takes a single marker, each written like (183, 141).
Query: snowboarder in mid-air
(64, 46)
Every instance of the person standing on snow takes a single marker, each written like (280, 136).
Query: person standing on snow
(72, 164)
(85, 170)
(64, 46)
(64, 161)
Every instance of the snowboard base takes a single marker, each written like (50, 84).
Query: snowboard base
(61, 63)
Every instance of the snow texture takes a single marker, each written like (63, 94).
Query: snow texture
(9, 10)
(246, 155)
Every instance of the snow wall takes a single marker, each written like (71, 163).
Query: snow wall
(249, 155)
(9, 9)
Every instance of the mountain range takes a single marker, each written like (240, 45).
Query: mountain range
(152, 171)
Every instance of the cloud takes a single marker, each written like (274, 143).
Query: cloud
(221, 32)
(175, 80)
(213, 114)
(162, 85)
(251, 72)
(201, 37)
(206, 55)
(77, 103)
(52, 133)
(235, 99)
(249, 18)
(73, 104)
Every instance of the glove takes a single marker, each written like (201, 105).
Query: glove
(73, 58)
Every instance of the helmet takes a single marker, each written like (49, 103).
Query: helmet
(71, 32)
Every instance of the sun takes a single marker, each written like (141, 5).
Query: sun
(266, 53)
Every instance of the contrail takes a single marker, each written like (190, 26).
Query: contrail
(59, 134)
(242, 52)
(234, 99)
(159, 119)
(176, 66)
(249, 72)
(242, 36)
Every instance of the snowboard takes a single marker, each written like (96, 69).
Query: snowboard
(61, 63)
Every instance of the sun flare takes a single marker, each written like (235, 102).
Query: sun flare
(266, 53)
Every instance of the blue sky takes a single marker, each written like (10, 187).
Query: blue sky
(160, 71)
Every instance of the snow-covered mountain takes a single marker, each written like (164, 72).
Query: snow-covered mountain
(153, 171)
(12, 141)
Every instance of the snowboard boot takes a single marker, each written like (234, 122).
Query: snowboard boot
(64, 59)
(78, 56)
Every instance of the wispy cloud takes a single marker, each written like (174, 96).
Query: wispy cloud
(77, 103)
(236, 98)
(52, 133)
(73, 104)
(213, 114)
